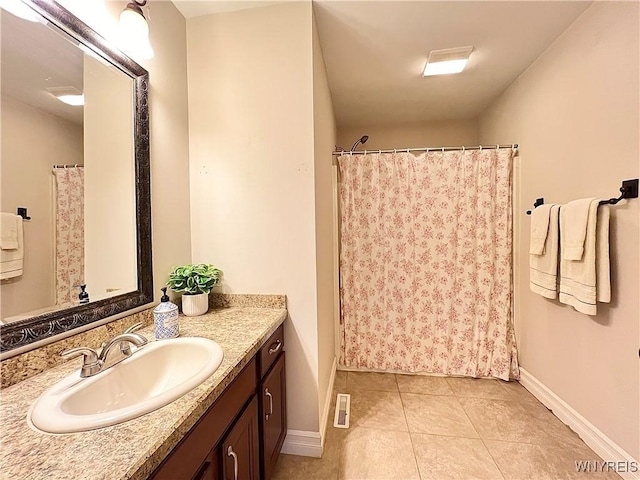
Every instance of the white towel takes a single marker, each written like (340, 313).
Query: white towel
(603, 263)
(11, 261)
(543, 269)
(9, 231)
(573, 228)
(539, 228)
(585, 281)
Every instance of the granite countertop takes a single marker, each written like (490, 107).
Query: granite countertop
(131, 450)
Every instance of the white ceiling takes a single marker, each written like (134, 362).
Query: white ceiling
(197, 8)
(35, 57)
(375, 52)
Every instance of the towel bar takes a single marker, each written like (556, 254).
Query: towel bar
(22, 212)
(538, 202)
(629, 189)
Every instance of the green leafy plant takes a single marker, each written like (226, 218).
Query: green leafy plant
(194, 279)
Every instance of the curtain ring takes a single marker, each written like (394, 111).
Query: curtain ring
(463, 149)
(498, 147)
(480, 147)
(395, 151)
(379, 152)
(365, 152)
(442, 149)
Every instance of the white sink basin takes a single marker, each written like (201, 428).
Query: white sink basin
(152, 377)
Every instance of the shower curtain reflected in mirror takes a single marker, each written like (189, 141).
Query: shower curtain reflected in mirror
(425, 263)
(69, 258)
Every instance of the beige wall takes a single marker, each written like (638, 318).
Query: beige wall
(411, 135)
(32, 142)
(252, 171)
(169, 142)
(326, 269)
(575, 114)
(109, 182)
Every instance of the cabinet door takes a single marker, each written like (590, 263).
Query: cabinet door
(191, 458)
(240, 447)
(209, 469)
(273, 416)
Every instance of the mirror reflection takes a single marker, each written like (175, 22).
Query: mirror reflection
(67, 157)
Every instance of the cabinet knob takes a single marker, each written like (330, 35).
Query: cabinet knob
(278, 346)
(231, 453)
(270, 397)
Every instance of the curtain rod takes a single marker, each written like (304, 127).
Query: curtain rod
(426, 149)
(71, 165)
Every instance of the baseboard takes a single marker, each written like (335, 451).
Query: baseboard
(310, 444)
(592, 436)
(303, 443)
(328, 400)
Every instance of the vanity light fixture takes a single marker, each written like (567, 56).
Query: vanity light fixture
(450, 60)
(20, 10)
(69, 95)
(134, 31)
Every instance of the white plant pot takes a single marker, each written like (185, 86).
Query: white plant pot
(194, 305)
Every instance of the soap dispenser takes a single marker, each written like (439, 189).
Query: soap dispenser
(83, 296)
(165, 318)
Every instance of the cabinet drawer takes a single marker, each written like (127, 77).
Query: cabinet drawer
(190, 456)
(270, 350)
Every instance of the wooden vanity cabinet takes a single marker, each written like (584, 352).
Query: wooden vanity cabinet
(197, 456)
(273, 417)
(209, 469)
(239, 448)
(240, 436)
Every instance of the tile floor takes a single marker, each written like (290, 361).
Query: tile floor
(418, 427)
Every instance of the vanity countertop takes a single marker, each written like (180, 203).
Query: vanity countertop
(131, 450)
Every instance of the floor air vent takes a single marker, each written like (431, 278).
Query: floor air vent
(343, 406)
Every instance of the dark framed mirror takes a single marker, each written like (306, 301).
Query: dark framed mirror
(99, 60)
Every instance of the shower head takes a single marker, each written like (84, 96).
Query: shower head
(362, 140)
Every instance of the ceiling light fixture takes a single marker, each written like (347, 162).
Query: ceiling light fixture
(20, 10)
(450, 60)
(69, 95)
(134, 31)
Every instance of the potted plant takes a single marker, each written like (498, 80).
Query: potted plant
(194, 282)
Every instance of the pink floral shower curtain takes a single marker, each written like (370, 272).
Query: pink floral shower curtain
(426, 262)
(69, 233)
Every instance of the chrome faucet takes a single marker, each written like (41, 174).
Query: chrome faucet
(90, 364)
(94, 362)
(124, 340)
